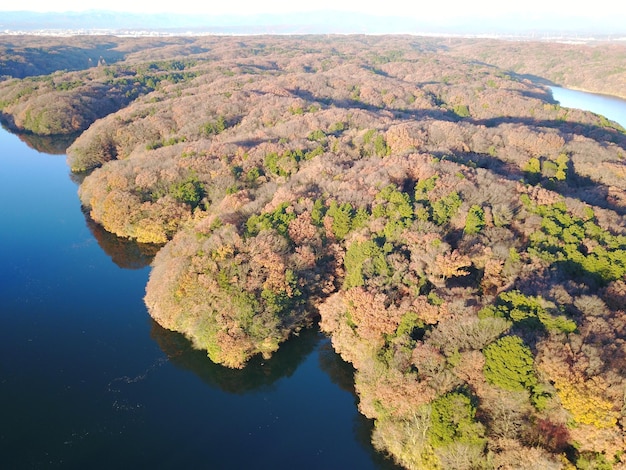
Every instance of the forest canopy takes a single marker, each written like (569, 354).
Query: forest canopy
(458, 234)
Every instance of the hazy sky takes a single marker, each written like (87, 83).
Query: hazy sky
(413, 8)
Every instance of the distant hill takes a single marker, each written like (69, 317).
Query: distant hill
(319, 22)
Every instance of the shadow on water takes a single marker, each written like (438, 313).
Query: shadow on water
(125, 253)
(341, 373)
(363, 428)
(259, 373)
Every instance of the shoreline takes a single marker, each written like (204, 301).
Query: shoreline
(591, 92)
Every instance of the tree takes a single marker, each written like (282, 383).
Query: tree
(445, 208)
(528, 311)
(364, 260)
(189, 191)
(341, 216)
(453, 421)
(475, 220)
(448, 265)
(509, 364)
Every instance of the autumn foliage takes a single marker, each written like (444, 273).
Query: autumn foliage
(458, 235)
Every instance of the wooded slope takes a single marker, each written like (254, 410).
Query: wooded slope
(458, 234)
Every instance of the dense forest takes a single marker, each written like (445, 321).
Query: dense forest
(459, 235)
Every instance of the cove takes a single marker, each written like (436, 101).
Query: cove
(88, 380)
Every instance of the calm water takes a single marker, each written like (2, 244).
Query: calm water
(608, 106)
(88, 381)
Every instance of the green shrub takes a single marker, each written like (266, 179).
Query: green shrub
(342, 218)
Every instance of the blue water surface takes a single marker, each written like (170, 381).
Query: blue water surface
(610, 107)
(89, 381)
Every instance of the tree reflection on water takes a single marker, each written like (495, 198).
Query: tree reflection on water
(259, 373)
(125, 253)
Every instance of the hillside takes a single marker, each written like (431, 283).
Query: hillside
(459, 235)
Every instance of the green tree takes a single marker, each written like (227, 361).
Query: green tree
(462, 110)
(278, 220)
(423, 187)
(509, 364)
(533, 170)
(445, 208)
(452, 420)
(318, 211)
(190, 191)
(215, 127)
(342, 215)
(364, 260)
(475, 220)
(528, 311)
(561, 162)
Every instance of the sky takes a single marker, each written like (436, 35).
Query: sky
(407, 8)
(457, 16)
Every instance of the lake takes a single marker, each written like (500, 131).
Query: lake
(88, 380)
(608, 106)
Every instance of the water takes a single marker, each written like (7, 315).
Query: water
(87, 380)
(608, 106)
